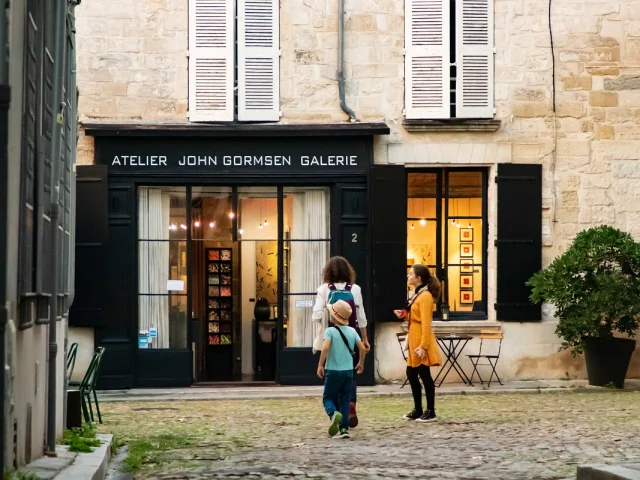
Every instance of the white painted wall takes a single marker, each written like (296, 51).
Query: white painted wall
(85, 339)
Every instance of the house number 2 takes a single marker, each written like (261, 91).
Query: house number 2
(354, 238)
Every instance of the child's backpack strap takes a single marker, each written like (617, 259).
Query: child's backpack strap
(332, 286)
(348, 287)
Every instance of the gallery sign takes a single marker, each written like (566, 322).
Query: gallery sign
(135, 155)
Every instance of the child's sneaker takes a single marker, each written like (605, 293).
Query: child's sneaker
(429, 416)
(344, 433)
(353, 416)
(335, 424)
(414, 415)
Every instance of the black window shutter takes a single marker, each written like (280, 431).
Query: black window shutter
(88, 309)
(30, 128)
(389, 230)
(519, 240)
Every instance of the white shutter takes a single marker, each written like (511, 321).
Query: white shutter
(258, 60)
(211, 60)
(427, 59)
(474, 59)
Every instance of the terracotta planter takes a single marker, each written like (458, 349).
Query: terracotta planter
(608, 360)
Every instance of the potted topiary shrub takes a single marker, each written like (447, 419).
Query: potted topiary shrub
(595, 288)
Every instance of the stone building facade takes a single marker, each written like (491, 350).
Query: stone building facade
(566, 88)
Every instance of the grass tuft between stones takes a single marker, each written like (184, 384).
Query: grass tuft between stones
(150, 450)
(80, 440)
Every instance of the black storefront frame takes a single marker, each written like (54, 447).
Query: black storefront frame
(442, 244)
(235, 239)
(337, 183)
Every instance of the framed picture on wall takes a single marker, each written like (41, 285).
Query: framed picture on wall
(466, 266)
(466, 250)
(466, 234)
(466, 297)
(466, 281)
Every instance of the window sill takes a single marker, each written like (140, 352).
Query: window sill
(451, 125)
(469, 327)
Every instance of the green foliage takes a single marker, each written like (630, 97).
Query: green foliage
(594, 285)
(150, 450)
(20, 476)
(81, 440)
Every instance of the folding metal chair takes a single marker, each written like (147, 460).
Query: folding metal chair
(492, 359)
(401, 338)
(71, 360)
(88, 386)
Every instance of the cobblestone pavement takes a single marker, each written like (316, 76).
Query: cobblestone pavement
(502, 436)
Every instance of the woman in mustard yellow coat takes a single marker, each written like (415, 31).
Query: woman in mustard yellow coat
(422, 345)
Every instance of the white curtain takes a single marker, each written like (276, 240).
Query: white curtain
(153, 261)
(310, 221)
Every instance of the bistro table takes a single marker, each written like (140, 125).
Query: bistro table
(452, 346)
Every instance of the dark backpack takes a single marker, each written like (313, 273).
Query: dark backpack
(347, 296)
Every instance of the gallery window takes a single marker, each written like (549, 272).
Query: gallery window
(447, 232)
(162, 266)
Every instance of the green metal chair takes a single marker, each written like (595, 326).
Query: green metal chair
(88, 386)
(71, 360)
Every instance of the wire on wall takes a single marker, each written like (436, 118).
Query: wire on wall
(555, 133)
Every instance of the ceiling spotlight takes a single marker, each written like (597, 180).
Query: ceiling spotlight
(232, 215)
(423, 222)
(212, 224)
(197, 224)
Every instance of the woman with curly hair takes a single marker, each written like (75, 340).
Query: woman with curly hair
(339, 284)
(423, 351)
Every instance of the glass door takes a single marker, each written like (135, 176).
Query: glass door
(258, 249)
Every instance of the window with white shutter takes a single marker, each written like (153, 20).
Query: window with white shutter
(474, 59)
(448, 59)
(258, 60)
(211, 60)
(427, 51)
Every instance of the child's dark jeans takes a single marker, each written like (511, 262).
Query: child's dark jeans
(338, 386)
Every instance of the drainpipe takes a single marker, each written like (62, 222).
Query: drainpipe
(54, 214)
(5, 98)
(72, 229)
(343, 103)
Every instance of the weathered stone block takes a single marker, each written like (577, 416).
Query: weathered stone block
(602, 71)
(629, 99)
(577, 83)
(580, 147)
(604, 132)
(530, 109)
(624, 82)
(603, 99)
(607, 54)
(575, 110)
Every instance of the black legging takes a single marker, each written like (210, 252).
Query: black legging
(414, 374)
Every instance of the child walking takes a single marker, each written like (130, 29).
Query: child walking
(336, 367)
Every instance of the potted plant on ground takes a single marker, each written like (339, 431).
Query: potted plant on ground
(595, 288)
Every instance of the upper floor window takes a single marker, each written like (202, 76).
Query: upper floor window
(448, 59)
(234, 60)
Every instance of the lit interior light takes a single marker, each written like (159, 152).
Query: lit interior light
(173, 227)
(412, 227)
(260, 226)
(183, 226)
(212, 224)
(241, 231)
(232, 215)
(266, 222)
(423, 222)
(197, 224)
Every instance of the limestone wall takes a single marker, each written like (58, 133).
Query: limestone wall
(133, 66)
